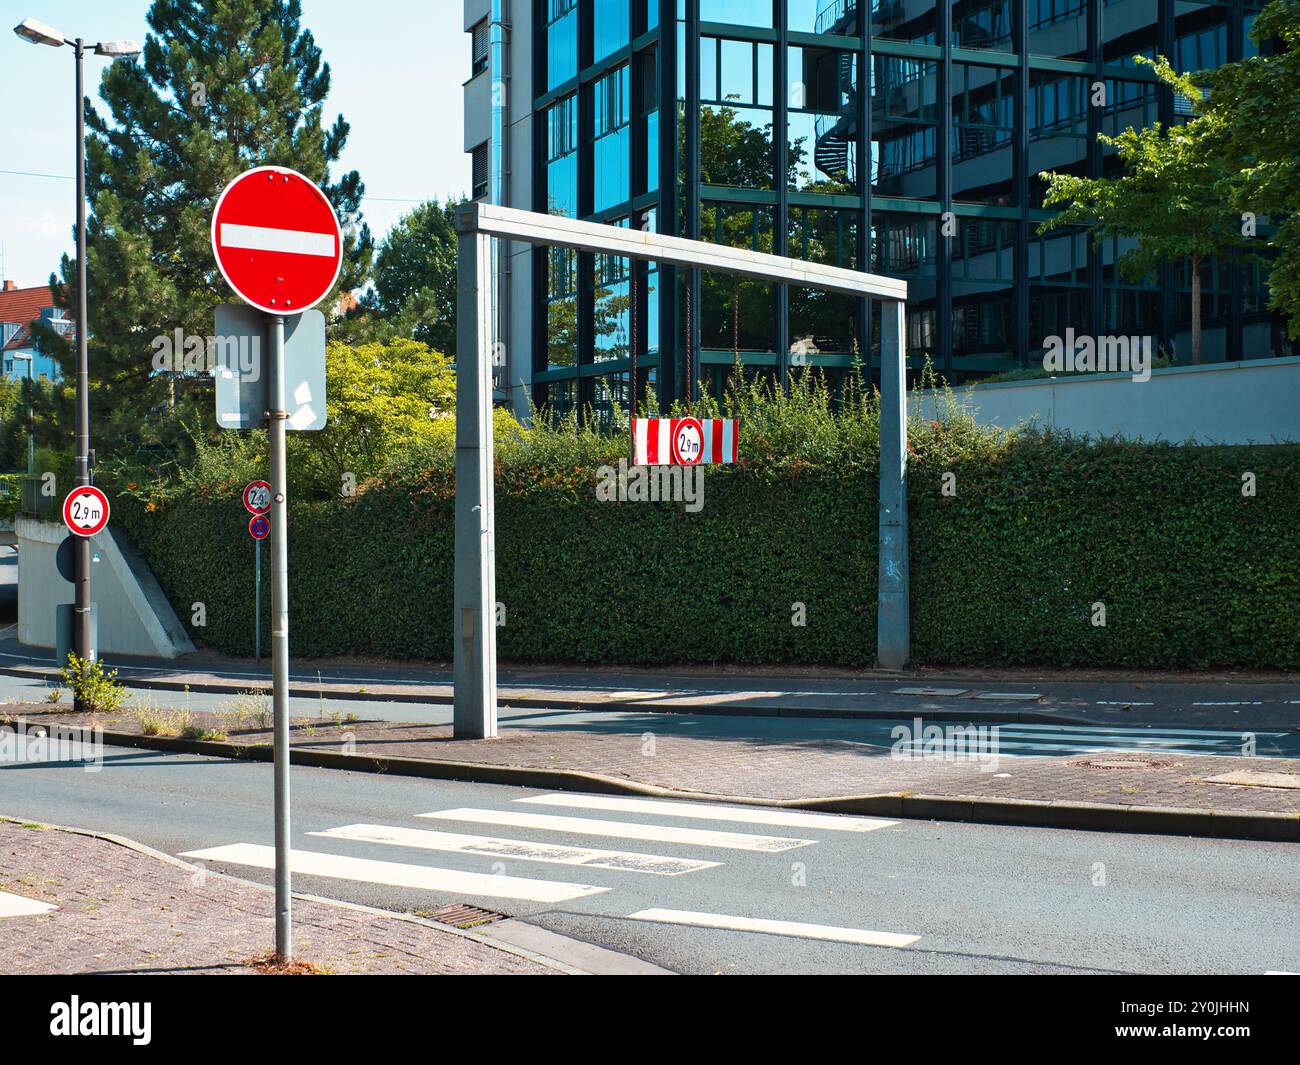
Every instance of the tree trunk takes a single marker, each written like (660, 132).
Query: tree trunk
(1196, 310)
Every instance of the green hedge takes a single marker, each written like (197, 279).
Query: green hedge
(1191, 572)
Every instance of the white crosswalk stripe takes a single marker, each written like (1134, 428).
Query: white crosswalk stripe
(707, 811)
(398, 874)
(623, 829)
(493, 847)
(798, 929)
(20, 906)
(619, 865)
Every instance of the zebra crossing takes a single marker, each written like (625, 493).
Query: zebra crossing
(1030, 740)
(602, 870)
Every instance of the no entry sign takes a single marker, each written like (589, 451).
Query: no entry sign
(277, 240)
(85, 511)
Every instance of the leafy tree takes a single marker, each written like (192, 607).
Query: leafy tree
(222, 86)
(382, 398)
(1173, 198)
(1252, 109)
(415, 275)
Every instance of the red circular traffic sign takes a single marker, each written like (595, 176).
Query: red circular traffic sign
(85, 511)
(258, 527)
(277, 240)
(688, 441)
(257, 497)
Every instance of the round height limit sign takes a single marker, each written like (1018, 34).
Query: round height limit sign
(85, 511)
(277, 240)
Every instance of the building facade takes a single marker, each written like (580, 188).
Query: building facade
(20, 355)
(904, 137)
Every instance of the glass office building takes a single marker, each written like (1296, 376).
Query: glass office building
(904, 137)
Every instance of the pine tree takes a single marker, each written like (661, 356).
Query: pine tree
(221, 86)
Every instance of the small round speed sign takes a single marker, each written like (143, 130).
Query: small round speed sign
(688, 442)
(257, 497)
(85, 511)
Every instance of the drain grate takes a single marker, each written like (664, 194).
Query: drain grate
(462, 915)
(1120, 763)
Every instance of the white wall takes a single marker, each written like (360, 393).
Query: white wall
(1254, 401)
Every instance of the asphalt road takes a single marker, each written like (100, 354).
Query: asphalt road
(979, 899)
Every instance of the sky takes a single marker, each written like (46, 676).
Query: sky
(406, 113)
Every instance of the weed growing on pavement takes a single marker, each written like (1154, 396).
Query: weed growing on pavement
(248, 709)
(54, 695)
(94, 687)
(155, 722)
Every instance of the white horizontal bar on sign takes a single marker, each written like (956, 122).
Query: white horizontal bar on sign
(521, 850)
(622, 829)
(397, 874)
(797, 929)
(707, 811)
(556, 230)
(263, 238)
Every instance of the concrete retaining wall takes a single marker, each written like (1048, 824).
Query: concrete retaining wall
(134, 615)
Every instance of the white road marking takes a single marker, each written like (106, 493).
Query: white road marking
(1010, 696)
(264, 238)
(1230, 703)
(622, 829)
(707, 811)
(18, 906)
(588, 858)
(776, 928)
(397, 874)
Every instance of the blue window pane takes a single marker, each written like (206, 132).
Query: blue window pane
(652, 152)
(611, 154)
(562, 43)
(562, 157)
(610, 30)
(737, 12)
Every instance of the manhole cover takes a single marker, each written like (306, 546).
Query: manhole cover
(461, 915)
(1120, 763)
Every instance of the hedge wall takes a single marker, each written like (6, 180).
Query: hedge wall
(1192, 573)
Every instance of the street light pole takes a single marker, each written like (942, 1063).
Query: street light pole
(39, 33)
(81, 623)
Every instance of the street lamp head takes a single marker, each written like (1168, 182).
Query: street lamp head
(117, 49)
(39, 33)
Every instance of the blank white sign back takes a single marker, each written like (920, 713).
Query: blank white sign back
(243, 348)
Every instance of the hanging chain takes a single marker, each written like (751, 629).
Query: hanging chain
(632, 310)
(690, 336)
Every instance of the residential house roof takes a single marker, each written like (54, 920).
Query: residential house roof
(21, 305)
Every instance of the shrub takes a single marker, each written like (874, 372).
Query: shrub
(97, 689)
(1193, 573)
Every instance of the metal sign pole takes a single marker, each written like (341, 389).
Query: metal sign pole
(277, 418)
(257, 601)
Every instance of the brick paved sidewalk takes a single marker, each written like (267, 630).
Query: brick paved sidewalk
(791, 770)
(123, 911)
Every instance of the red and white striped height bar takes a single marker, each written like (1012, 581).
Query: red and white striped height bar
(685, 441)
